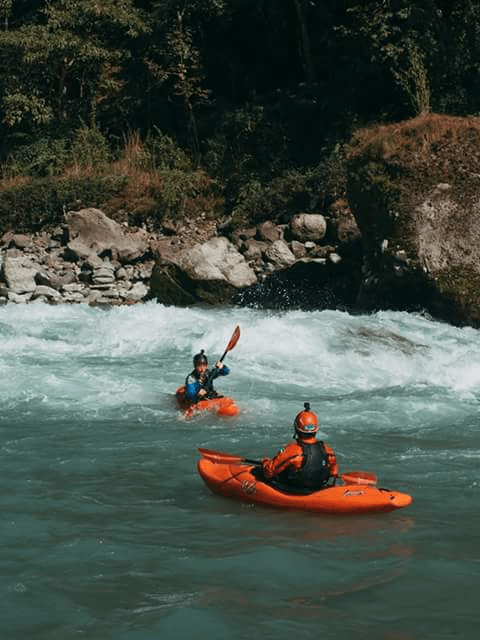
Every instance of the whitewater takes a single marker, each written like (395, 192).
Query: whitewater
(108, 532)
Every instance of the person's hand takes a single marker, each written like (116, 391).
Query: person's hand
(219, 364)
(202, 392)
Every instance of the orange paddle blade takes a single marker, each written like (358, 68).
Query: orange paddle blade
(225, 458)
(234, 338)
(358, 477)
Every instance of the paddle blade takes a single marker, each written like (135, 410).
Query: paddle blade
(218, 456)
(358, 477)
(225, 458)
(232, 343)
(234, 339)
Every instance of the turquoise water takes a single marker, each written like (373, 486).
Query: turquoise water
(107, 531)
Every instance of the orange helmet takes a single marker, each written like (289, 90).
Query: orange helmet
(306, 422)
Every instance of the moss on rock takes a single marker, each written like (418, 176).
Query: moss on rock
(414, 188)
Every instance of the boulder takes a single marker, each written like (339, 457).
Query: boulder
(414, 189)
(268, 231)
(299, 249)
(47, 293)
(22, 241)
(308, 226)
(211, 272)
(19, 272)
(54, 280)
(279, 254)
(254, 249)
(91, 233)
(217, 259)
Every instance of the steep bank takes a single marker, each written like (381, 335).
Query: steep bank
(414, 188)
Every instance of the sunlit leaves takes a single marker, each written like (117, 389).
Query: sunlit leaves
(65, 58)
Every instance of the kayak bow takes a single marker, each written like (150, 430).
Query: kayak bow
(221, 405)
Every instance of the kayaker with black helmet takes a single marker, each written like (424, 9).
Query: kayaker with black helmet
(307, 463)
(199, 383)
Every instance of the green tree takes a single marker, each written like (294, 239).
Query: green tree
(430, 47)
(175, 60)
(63, 60)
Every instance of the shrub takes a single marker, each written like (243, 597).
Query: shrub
(40, 204)
(297, 190)
(42, 158)
(89, 148)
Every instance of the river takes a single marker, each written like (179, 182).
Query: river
(108, 532)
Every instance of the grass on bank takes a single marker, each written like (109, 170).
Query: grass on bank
(146, 181)
(143, 184)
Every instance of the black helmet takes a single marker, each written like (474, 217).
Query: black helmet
(200, 358)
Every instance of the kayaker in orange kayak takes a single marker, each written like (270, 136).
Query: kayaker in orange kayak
(199, 383)
(307, 463)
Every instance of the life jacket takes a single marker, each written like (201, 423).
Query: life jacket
(204, 381)
(314, 473)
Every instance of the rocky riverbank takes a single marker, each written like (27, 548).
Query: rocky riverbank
(413, 190)
(89, 259)
(94, 260)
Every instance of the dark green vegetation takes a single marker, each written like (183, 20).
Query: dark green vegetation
(228, 108)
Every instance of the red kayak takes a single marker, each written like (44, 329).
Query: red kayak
(221, 405)
(227, 476)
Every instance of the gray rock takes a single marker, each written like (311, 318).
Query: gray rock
(22, 241)
(254, 249)
(334, 258)
(75, 297)
(91, 232)
(51, 280)
(268, 231)
(19, 272)
(279, 254)
(138, 292)
(218, 259)
(73, 287)
(299, 249)
(46, 292)
(18, 298)
(210, 273)
(308, 226)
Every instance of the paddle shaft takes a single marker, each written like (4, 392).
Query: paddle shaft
(352, 477)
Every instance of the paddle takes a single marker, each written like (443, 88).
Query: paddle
(217, 456)
(351, 477)
(358, 477)
(233, 341)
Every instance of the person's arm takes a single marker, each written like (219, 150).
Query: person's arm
(291, 456)
(331, 460)
(191, 389)
(219, 370)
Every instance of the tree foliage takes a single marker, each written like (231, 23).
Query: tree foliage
(63, 59)
(430, 47)
(249, 90)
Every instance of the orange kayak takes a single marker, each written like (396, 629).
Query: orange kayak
(221, 405)
(237, 481)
